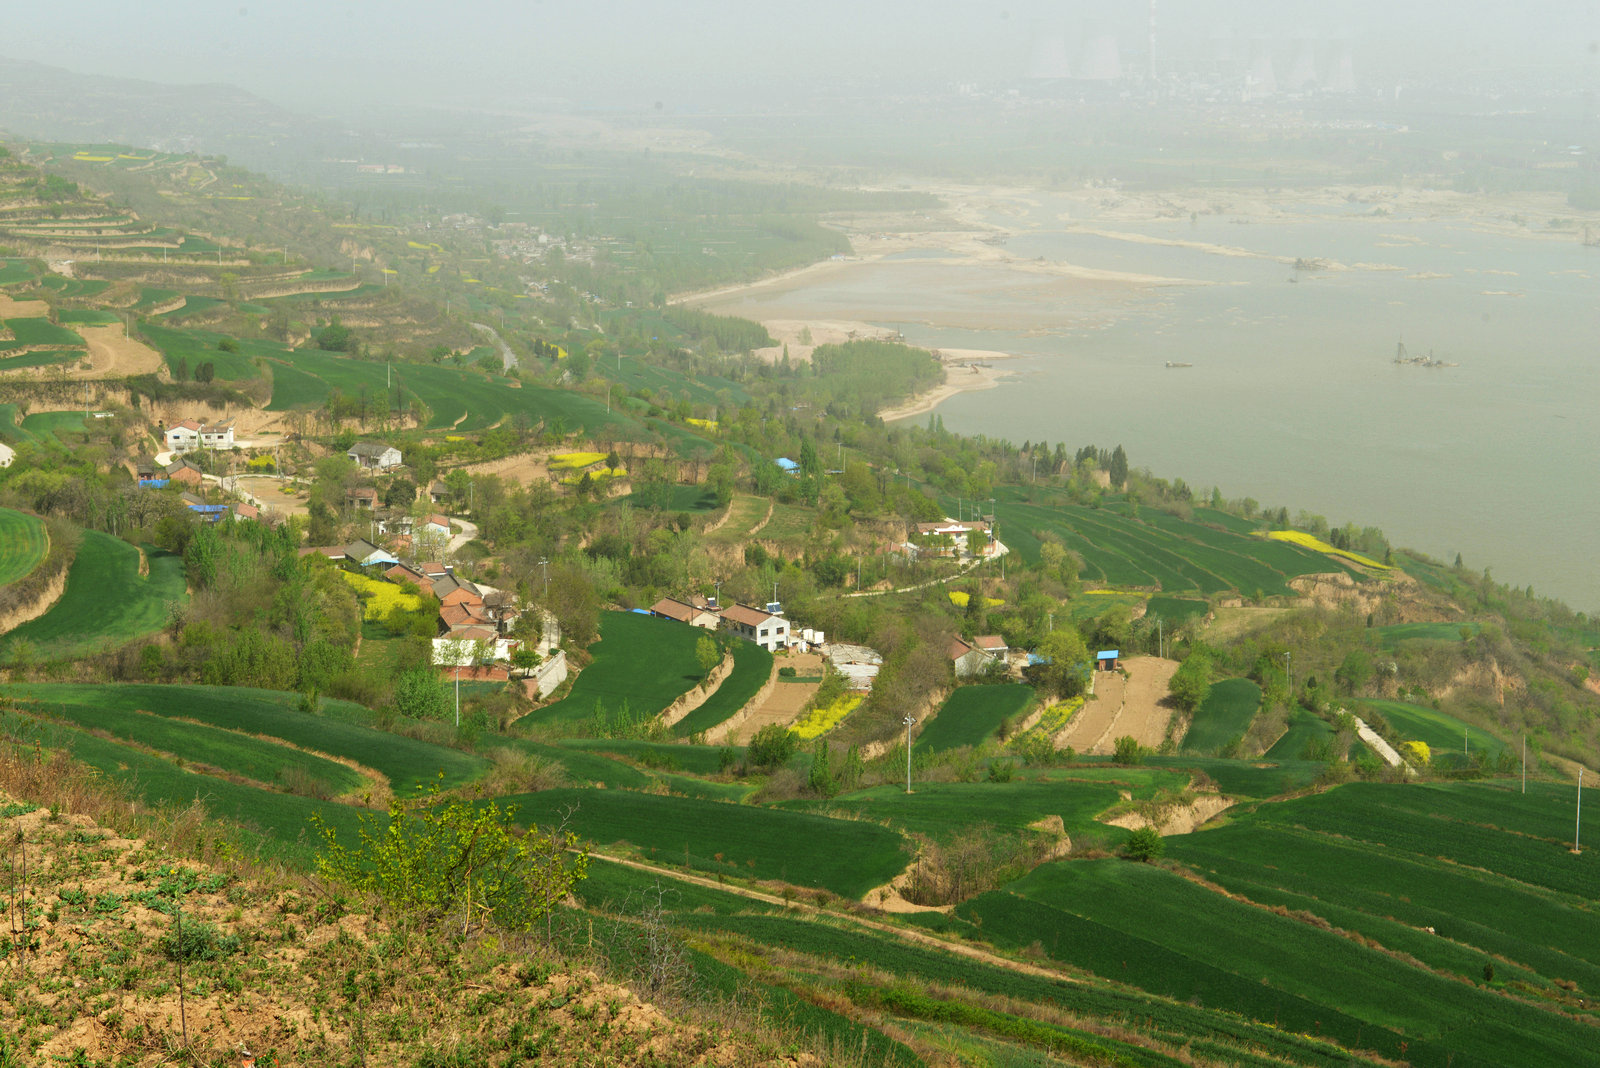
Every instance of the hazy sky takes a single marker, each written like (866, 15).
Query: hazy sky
(697, 53)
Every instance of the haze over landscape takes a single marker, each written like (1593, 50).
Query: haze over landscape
(1004, 534)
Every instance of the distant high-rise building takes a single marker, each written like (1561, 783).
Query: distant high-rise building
(1303, 70)
(1342, 71)
(1100, 61)
(1260, 80)
(1048, 58)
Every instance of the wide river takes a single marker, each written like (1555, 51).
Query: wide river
(1293, 396)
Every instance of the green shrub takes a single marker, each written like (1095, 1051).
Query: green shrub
(772, 746)
(190, 941)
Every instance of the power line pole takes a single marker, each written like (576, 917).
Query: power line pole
(910, 720)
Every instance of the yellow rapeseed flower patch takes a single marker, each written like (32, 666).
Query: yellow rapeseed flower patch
(703, 424)
(379, 598)
(959, 598)
(820, 721)
(1316, 544)
(1058, 715)
(85, 158)
(573, 461)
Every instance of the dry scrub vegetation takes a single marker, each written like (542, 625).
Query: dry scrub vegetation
(157, 944)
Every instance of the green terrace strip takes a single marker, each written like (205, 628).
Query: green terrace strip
(107, 603)
(275, 824)
(49, 426)
(1444, 734)
(1145, 925)
(43, 332)
(1396, 899)
(229, 752)
(691, 759)
(1077, 795)
(22, 544)
(88, 317)
(1223, 717)
(640, 661)
(1155, 550)
(752, 667)
(1208, 1033)
(1391, 637)
(341, 729)
(1490, 826)
(848, 857)
(972, 715)
(796, 1016)
(1307, 730)
(1257, 779)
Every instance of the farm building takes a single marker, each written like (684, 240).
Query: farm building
(670, 608)
(953, 537)
(437, 524)
(190, 434)
(363, 498)
(1106, 659)
(374, 456)
(402, 573)
(243, 510)
(767, 629)
(969, 659)
(365, 553)
(857, 664)
(787, 466)
(209, 513)
(438, 492)
(185, 472)
(149, 475)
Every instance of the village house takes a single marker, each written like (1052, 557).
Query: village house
(767, 629)
(858, 665)
(437, 525)
(969, 660)
(671, 608)
(374, 456)
(189, 434)
(365, 553)
(361, 498)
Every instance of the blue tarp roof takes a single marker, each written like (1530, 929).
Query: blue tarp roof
(787, 464)
(1107, 654)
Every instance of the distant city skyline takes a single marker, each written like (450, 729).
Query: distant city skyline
(326, 57)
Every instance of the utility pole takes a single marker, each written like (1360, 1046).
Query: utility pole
(458, 690)
(910, 720)
(1524, 763)
(544, 566)
(1580, 822)
(1289, 667)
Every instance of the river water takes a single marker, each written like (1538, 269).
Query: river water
(1293, 396)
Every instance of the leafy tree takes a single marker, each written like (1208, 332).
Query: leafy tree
(772, 746)
(707, 655)
(1191, 682)
(439, 857)
(335, 337)
(1065, 668)
(1118, 468)
(1144, 844)
(821, 779)
(1127, 750)
(421, 694)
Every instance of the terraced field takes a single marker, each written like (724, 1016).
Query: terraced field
(1165, 934)
(1154, 550)
(1444, 734)
(641, 661)
(1306, 730)
(972, 715)
(752, 667)
(1223, 717)
(106, 602)
(848, 857)
(23, 544)
(341, 729)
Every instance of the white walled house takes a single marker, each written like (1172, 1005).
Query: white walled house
(189, 435)
(766, 629)
(374, 456)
